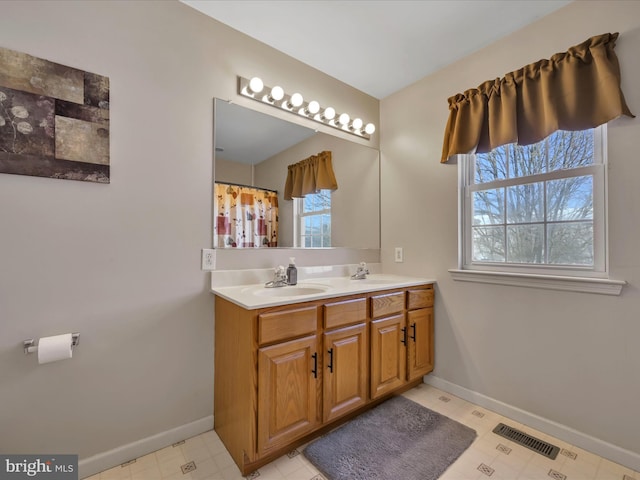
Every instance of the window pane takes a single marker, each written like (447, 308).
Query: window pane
(326, 230)
(488, 207)
(525, 243)
(570, 199)
(488, 244)
(571, 243)
(326, 224)
(570, 149)
(323, 199)
(526, 160)
(525, 203)
(308, 204)
(490, 166)
(316, 226)
(307, 242)
(307, 226)
(316, 241)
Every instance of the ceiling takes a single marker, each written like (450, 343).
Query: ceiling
(246, 136)
(377, 46)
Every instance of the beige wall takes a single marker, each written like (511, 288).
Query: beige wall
(120, 263)
(233, 172)
(571, 358)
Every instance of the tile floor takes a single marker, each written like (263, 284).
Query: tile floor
(490, 457)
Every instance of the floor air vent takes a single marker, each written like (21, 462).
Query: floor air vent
(532, 443)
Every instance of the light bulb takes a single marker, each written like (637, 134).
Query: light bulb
(343, 119)
(296, 100)
(369, 128)
(329, 113)
(256, 85)
(277, 94)
(312, 108)
(356, 124)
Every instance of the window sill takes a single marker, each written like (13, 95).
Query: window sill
(550, 282)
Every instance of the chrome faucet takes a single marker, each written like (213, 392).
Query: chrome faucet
(279, 278)
(361, 272)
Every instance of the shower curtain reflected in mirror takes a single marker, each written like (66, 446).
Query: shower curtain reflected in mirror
(245, 217)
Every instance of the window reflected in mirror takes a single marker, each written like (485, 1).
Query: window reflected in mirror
(313, 220)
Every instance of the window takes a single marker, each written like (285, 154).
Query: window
(313, 220)
(536, 209)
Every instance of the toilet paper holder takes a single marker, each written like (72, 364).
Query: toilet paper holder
(31, 347)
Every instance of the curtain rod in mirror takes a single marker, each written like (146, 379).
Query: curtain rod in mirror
(295, 103)
(233, 184)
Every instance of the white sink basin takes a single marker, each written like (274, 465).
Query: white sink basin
(289, 290)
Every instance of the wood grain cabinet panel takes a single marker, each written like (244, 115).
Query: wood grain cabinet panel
(420, 298)
(388, 355)
(345, 312)
(287, 392)
(346, 371)
(286, 324)
(420, 342)
(386, 304)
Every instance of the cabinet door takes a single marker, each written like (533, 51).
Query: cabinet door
(388, 354)
(420, 342)
(288, 392)
(346, 370)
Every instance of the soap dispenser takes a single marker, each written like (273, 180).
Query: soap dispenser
(292, 272)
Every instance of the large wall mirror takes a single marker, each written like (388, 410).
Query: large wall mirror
(252, 153)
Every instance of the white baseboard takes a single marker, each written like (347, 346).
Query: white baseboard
(574, 437)
(117, 456)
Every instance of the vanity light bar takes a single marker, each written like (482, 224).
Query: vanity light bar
(276, 97)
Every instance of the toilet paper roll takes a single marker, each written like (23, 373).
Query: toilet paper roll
(52, 349)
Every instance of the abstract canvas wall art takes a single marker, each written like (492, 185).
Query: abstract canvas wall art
(54, 119)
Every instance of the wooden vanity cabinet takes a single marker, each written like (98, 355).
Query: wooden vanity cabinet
(346, 362)
(401, 338)
(419, 332)
(288, 377)
(388, 343)
(284, 374)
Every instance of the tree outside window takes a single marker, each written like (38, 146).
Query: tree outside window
(313, 220)
(536, 205)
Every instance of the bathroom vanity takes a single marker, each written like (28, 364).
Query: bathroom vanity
(292, 363)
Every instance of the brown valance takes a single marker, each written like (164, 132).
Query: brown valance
(310, 176)
(574, 90)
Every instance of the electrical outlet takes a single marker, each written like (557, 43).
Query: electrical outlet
(399, 255)
(208, 259)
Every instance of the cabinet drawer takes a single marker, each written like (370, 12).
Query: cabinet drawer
(287, 324)
(386, 304)
(420, 298)
(345, 313)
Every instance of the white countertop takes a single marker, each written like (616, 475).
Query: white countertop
(255, 295)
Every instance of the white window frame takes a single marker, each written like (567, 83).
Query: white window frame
(586, 279)
(298, 218)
